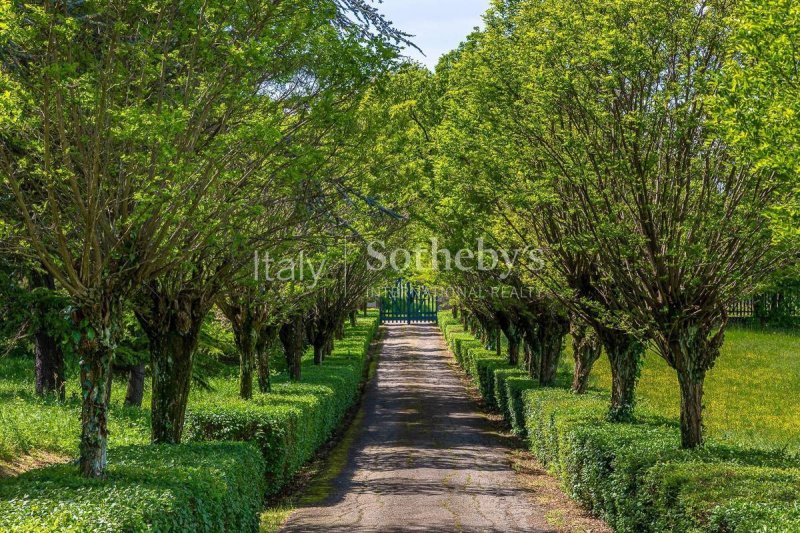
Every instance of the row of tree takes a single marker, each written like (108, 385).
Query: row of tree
(149, 149)
(643, 157)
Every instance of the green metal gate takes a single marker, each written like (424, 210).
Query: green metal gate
(405, 302)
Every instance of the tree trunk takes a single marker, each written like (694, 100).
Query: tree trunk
(266, 339)
(292, 337)
(96, 353)
(625, 355)
(109, 384)
(498, 345)
(173, 356)
(49, 358)
(49, 365)
(551, 335)
(586, 350)
(455, 312)
(692, 350)
(691, 385)
(353, 321)
(247, 363)
(95, 364)
(513, 351)
(318, 353)
(135, 392)
(246, 337)
(532, 351)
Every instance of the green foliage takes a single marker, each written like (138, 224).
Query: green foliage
(515, 409)
(486, 367)
(295, 419)
(501, 376)
(192, 487)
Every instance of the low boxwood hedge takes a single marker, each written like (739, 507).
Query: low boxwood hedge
(634, 475)
(295, 419)
(190, 487)
(515, 407)
(484, 374)
(502, 375)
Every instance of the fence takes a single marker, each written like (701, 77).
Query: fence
(768, 310)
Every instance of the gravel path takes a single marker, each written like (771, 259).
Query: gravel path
(425, 459)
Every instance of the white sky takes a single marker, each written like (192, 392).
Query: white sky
(438, 26)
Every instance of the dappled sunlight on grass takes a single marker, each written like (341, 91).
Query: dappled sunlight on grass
(752, 394)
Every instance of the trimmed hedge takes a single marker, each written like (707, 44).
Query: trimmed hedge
(295, 419)
(191, 487)
(515, 387)
(634, 475)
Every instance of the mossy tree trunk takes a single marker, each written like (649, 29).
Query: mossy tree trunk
(135, 391)
(586, 350)
(624, 353)
(692, 351)
(266, 340)
(48, 355)
(172, 323)
(292, 335)
(551, 333)
(96, 322)
(173, 357)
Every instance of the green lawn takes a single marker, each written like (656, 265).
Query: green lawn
(31, 424)
(752, 394)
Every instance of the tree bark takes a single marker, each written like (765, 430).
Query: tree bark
(135, 391)
(551, 335)
(625, 355)
(513, 351)
(49, 365)
(691, 385)
(245, 336)
(586, 350)
(49, 357)
(266, 339)
(292, 337)
(172, 359)
(247, 362)
(95, 364)
(96, 353)
(353, 321)
(318, 353)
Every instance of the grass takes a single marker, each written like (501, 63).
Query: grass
(752, 395)
(30, 424)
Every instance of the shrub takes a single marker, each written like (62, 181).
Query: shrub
(500, 391)
(698, 496)
(515, 410)
(295, 419)
(191, 487)
(485, 369)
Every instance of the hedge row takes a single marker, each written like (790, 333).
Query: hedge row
(194, 487)
(635, 476)
(295, 419)
(200, 486)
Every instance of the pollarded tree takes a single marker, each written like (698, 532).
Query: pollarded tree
(617, 97)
